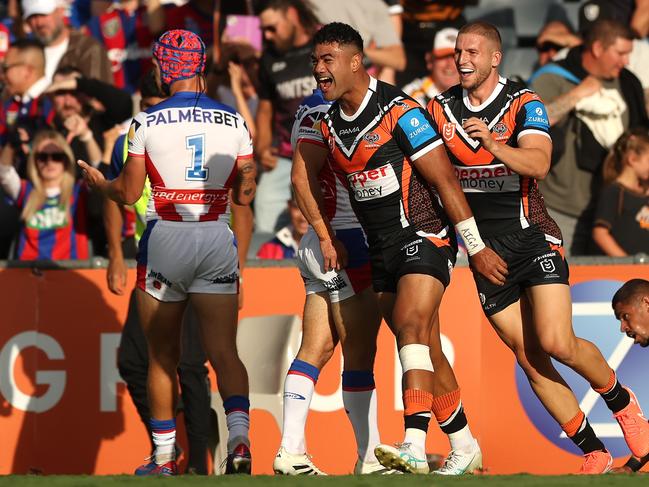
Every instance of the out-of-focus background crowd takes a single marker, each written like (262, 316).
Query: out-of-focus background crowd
(74, 72)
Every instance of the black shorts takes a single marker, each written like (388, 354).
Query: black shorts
(410, 255)
(531, 261)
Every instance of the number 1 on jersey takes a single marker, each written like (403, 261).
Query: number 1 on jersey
(196, 171)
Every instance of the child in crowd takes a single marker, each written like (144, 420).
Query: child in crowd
(622, 219)
(52, 205)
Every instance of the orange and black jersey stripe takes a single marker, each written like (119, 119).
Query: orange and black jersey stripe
(502, 200)
(375, 148)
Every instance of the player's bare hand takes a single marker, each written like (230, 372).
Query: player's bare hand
(477, 129)
(268, 158)
(622, 469)
(92, 176)
(116, 276)
(490, 265)
(334, 254)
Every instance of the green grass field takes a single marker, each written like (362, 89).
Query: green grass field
(340, 481)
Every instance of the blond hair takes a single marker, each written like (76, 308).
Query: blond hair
(37, 196)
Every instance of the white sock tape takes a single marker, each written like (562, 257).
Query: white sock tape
(415, 357)
(468, 230)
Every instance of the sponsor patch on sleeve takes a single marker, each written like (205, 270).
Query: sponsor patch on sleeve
(536, 116)
(418, 130)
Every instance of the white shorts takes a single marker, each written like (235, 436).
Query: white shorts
(177, 258)
(339, 284)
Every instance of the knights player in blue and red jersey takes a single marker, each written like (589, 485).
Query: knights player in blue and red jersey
(384, 143)
(188, 251)
(496, 133)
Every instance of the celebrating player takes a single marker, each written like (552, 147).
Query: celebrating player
(340, 304)
(385, 145)
(193, 150)
(497, 135)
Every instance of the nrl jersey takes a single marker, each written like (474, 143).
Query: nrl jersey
(375, 148)
(306, 128)
(191, 145)
(502, 200)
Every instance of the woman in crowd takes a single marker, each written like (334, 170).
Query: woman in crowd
(622, 220)
(52, 205)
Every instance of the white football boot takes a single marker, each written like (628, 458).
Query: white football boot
(372, 468)
(286, 463)
(401, 457)
(460, 462)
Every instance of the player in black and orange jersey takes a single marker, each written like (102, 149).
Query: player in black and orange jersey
(496, 134)
(384, 144)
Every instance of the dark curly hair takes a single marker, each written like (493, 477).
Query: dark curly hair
(343, 34)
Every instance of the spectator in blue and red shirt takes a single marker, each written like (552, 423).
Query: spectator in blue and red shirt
(286, 242)
(52, 205)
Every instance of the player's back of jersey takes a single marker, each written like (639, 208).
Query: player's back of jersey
(191, 144)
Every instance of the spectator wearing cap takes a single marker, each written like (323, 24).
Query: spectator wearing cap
(634, 13)
(63, 45)
(441, 66)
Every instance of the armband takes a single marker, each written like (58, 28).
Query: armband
(468, 230)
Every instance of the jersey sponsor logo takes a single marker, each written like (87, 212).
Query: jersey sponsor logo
(593, 320)
(296, 88)
(349, 131)
(373, 183)
(536, 116)
(496, 178)
(195, 115)
(448, 131)
(48, 218)
(416, 128)
(191, 196)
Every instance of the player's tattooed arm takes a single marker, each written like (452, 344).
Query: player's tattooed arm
(244, 185)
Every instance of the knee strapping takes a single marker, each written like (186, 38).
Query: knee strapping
(415, 357)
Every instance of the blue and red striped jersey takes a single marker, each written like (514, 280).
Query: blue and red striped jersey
(51, 233)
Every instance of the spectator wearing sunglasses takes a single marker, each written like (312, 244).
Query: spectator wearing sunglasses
(52, 205)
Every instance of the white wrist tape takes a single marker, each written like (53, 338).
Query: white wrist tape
(468, 230)
(415, 356)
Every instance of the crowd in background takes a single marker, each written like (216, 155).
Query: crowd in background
(72, 72)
